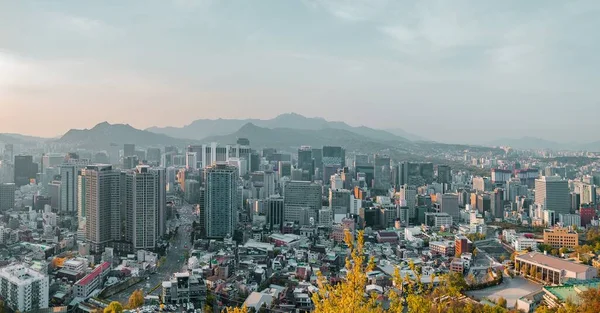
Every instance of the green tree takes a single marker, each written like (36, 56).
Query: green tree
(114, 307)
(532, 271)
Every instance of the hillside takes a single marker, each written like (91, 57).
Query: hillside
(105, 134)
(203, 128)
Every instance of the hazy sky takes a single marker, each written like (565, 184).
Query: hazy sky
(459, 71)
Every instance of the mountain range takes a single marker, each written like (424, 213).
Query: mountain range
(203, 128)
(105, 134)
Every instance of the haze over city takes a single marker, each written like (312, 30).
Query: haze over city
(451, 71)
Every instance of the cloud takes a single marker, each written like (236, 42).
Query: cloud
(351, 10)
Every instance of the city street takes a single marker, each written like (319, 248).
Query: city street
(175, 260)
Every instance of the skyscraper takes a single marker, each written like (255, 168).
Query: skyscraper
(7, 196)
(382, 172)
(103, 206)
(221, 200)
(141, 207)
(553, 193)
(68, 185)
(161, 198)
(275, 212)
(25, 170)
(449, 204)
(128, 149)
(444, 174)
(306, 162)
(153, 155)
(302, 201)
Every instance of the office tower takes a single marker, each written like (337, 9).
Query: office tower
(382, 172)
(191, 160)
(128, 149)
(408, 195)
(192, 191)
(501, 176)
(254, 161)
(53, 189)
(153, 155)
(528, 176)
(130, 162)
(553, 193)
(275, 212)
(268, 184)
(140, 154)
(51, 160)
(296, 174)
(161, 198)
(302, 201)
(497, 203)
(415, 174)
(306, 162)
(9, 151)
(23, 289)
(333, 159)
(336, 181)
(483, 203)
(221, 200)
(103, 206)
(285, 169)
(360, 159)
(25, 170)
(449, 204)
(68, 185)
(461, 245)
(481, 184)
(444, 174)
(141, 207)
(317, 155)
(339, 200)
(7, 196)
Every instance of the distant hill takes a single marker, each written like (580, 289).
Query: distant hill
(203, 128)
(527, 143)
(402, 133)
(288, 138)
(105, 134)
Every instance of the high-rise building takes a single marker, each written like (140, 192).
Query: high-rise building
(161, 198)
(191, 160)
(103, 206)
(461, 245)
(333, 159)
(339, 201)
(68, 185)
(25, 170)
(23, 289)
(444, 174)
(9, 151)
(130, 162)
(221, 200)
(128, 149)
(275, 212)
(553, 193)
(141, 207)
(306, 162)
(415, 174)
(302, 201)
(408, 195)
(360, 159)
(51, 160)
(382, 172)
(153, 155)
(497, 203)
(449, 204)
(268, 184)
(7, 196)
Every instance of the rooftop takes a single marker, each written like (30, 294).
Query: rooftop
(553, 262)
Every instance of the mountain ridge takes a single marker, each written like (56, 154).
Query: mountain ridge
(203, 128)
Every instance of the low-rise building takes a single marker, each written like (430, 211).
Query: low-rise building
(184, 288)
(561, 237)
(552, 269)
(442, 247)
(84, 287)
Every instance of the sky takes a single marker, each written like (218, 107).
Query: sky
(452, 71)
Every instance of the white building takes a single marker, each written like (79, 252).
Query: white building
(523, 243)
(23, 289)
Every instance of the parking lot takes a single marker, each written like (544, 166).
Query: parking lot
(511, 289)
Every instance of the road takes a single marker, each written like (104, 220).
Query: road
(175, 261)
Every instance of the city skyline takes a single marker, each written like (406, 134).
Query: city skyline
(443, 69)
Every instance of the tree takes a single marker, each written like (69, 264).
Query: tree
(349, 295)
(532, 271)
(563, 250)
(501, 302)
(525, 269)
(136, 300)
(243, 309)
(114, 307)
